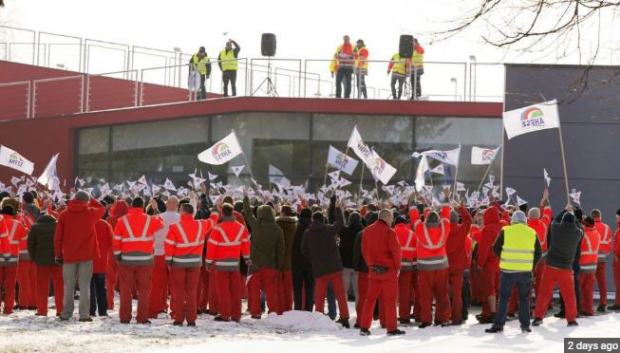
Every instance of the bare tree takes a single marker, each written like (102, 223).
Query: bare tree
(564, 27)
(533, 25)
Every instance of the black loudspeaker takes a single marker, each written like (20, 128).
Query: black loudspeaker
(405, 47)
(268, 44)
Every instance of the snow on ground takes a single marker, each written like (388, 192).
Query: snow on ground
(298, 332)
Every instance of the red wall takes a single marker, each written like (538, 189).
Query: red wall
(63, 97)
(39, 139)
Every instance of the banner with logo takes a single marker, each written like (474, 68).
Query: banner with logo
(222, 151)
(341, 161)
(483, 156)
(450, 157)
(379, 168)
(12, 159)
(532, 118)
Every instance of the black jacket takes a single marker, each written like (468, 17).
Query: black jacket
(347, 239)
(359, 264)
(299, 261)
(41, 241)
(563, 244)
(320, 245)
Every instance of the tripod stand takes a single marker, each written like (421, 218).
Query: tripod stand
(271, 88)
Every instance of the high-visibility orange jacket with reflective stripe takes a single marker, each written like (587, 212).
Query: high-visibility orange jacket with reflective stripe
(134, 239)
(27, 220)
(14, 233)
(605, 232)
(407, 240)
(431, 245)
(361, 60)
(589, 249)
(185, 241)
(541, 228)
(228, 241)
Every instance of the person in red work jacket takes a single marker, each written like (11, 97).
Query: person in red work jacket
(75, 246)
(27, 269)
(489, 263)
(133, 246)
(98, 293)
(603, 253)
(381, 251)
(227, 243)
(616, 243)
(184, 246)
(588, 255)
(541, 227)
(11, 233)
(407, 279)
(431, 238)
(118, 210)
(457, 260)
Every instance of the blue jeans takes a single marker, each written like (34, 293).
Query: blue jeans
(523, 281)
(98, 297)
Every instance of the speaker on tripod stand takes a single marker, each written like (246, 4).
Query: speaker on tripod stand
(268, 49)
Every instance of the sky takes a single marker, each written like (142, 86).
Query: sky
(304, 29)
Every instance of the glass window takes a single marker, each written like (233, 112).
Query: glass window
(280, 139)
(390, 136)
(446, 133)
(159, 150)
(159, 134)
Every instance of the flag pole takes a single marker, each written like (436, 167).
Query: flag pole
(326, 170)
(564, 165)
(486, 173)
(456, 174)
(362, 178)
(247, 165)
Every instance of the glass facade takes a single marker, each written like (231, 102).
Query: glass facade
(295, 143)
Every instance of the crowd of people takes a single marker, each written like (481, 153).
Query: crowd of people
(349, 62)
(205, 255)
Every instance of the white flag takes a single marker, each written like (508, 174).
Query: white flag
(510, 191)
(237, 169)
(168, 185)
(483, 156)
(420, 175)
(547, 177)
(381, 169)
(575, 196)
(520, 201)
(450, 157)
(212, 176)
(362, 150)
(49, 172)
(335, 175)
(341, 161)
(460, 186)
(438, 170)
(276, 176)
(12, 159)
(142, 180)
(532, 118)
(222, 151)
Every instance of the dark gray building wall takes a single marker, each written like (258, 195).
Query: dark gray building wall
(589, 105)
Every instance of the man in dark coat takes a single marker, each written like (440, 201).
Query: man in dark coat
(41, 250)
(564, 239)
(267, 254)
(320, 245)
(301, 266)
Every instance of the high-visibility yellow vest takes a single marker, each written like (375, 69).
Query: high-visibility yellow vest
(228, 60)
(200, 65)
(518, 250)
(399, 65)
(418, 59)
